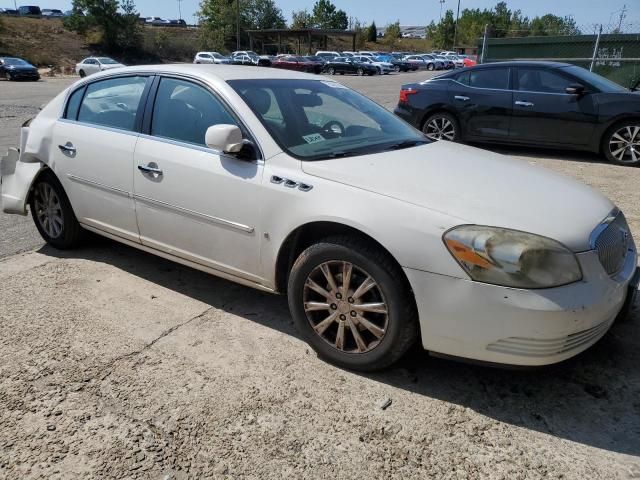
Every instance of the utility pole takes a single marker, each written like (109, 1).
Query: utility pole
(455, 31)
(623, 14)
(180, 8)
(238, 24)
(441, 5)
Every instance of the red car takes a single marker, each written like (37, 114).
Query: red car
(300, 64)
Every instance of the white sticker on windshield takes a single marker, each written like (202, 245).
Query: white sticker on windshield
(333, 84)
(313, 138)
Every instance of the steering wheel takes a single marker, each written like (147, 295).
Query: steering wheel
(334, 127)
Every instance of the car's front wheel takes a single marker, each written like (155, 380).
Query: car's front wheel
(331, 71)
(441, 126)
(360, 72)
(621, 143)
(8, 77)
(351, 303)
(52, 213)
(431, 67)
(82, 74)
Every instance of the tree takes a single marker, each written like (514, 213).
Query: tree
(261, 15)
(129, 35)
(372, 33)
(553, 25)
(301, 19)
(326, 15)
(393, 31)
(441, 35)
(217, 20)
(105, 16)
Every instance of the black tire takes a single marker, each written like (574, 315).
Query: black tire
(360, 72)
(396, 68)
(401, 329)
(8, 77)
(443, 116)
(82, 74)
(71, 234)
(431, 67)
(331, 71)
(622, 152)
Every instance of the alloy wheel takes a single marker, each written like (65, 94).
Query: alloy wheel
(360, 72)
(624, 144)
(48, 210)
(331, 71)
(440, 128)
(345, 307)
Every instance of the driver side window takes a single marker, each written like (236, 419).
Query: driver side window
(332, 109)
(183, 111)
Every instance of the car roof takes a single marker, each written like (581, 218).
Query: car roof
(214, 72)
(524, 63)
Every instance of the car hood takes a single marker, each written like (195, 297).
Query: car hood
(20, 68)
(476, 187)
(109, 66)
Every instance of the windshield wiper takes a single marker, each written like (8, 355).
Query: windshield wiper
(407, 144)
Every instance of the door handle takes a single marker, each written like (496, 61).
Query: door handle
(524, 104)
(67, 148)
(462, 98)
(149, 169)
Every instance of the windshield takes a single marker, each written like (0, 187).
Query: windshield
(318, 120)
(15, 61)
(217, 55)
(107, 61)
(601, 83)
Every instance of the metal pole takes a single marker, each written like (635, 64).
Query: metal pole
(455, 31)
(180, 9)
(484, 42)
(441, 4)
(15, 4)
(595, 50)
(238, 24)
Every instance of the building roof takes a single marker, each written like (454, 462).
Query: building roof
(302, 31)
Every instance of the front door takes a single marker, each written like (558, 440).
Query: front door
(483, 103)
(93, 154)
(191, 201)
(543, 113)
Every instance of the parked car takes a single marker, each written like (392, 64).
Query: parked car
(433, 63)
(468, 61)
(328, 54)
(92, 65)
(419, 62)
(8, 11)
(30, 11)
(12, 68)
(398, 65)
(447, 61)
(297, 63)
(52, 13)
(342, 65)
(177, 23)
(297, 184)
(538, 104)
(317, 59)
(248, 57)
(211, 57)
(384, 68)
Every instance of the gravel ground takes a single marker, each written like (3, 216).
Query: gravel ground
(118, 364)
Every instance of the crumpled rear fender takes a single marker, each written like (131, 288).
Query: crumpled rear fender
(17, 173)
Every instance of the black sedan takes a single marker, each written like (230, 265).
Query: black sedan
(12, 68)
(344, 65)
(539, 104)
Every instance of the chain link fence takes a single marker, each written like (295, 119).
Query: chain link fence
(611, 50)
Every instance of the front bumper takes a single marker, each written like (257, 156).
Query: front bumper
(489, 323)
(24, 75)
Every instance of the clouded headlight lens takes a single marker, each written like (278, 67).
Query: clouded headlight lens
(512, 258)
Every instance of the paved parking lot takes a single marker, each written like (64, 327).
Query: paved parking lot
(117, 364)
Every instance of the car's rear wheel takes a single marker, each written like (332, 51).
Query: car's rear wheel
(396, 68)
(82, 74)
(621, 143)
(331, 71)
(351, 303)
(431, 66)
(52, 213)
(360, 72)
(7, 77)
(441, 126)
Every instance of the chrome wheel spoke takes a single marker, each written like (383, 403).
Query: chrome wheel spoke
(360, 343)
(346, 277)
(326, 323)
(377, 331)
(340, 336)
(316, 306)
(317, 288)
(380, 307)
(364, 287)
(329, 276)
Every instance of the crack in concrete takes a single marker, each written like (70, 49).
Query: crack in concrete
(111, 365)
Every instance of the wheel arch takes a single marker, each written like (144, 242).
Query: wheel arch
(442, 108)
(306, 235)
(614, 122)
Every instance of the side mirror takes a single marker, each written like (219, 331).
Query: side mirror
(224, 138)
(575, 89)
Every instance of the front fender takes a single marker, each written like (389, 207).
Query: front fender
(16, 178)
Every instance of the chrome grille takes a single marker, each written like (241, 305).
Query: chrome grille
(613, 244)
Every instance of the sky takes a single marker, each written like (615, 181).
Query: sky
(409, 12)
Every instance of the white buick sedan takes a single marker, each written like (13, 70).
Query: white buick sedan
(291, 183)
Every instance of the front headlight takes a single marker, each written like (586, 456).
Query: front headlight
(512, 258)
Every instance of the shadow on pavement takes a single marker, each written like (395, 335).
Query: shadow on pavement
(593, 399)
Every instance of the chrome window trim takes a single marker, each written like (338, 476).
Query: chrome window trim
(201, 216)
(101, 127)
(193, 146)
(593, 237)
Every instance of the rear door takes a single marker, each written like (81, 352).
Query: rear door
(92, 152)
(483, 102)
(543, 113)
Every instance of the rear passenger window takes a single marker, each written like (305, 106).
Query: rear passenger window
(496, 78)
(73, 105)
(184, 111)
(463, 78)
(113, 103)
